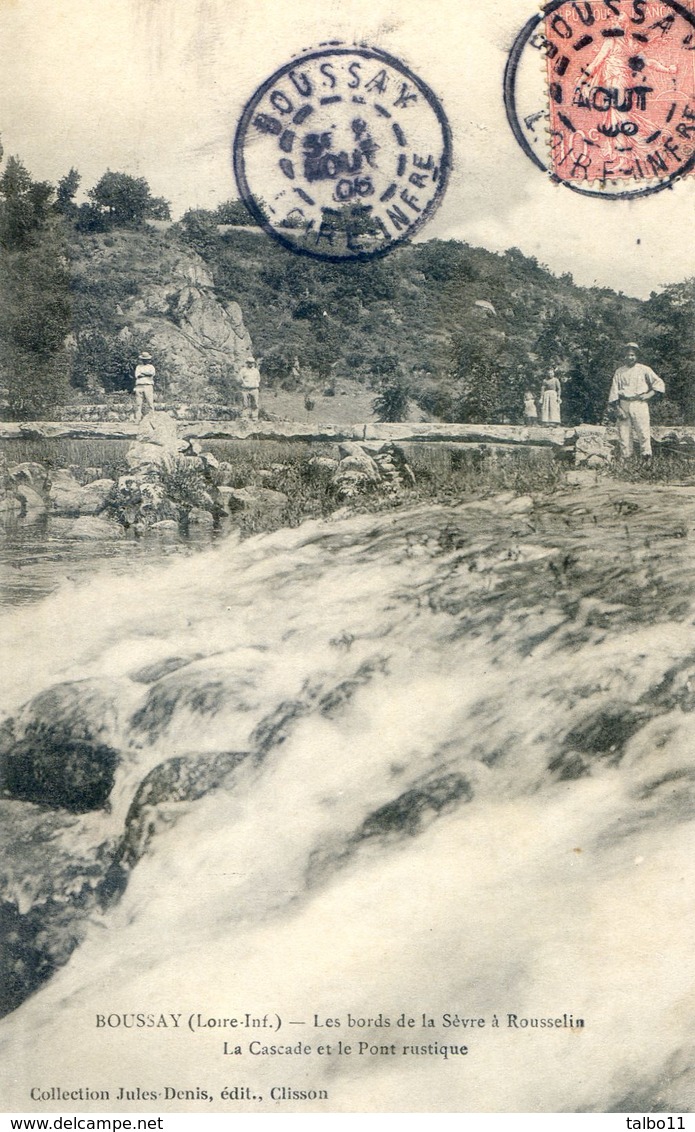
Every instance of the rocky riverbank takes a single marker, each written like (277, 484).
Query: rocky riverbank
(172, 482)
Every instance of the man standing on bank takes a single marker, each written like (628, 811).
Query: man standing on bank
(144, 385)
(633, 387)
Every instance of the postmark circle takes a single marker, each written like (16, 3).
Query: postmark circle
(600, 95)
(343, 153)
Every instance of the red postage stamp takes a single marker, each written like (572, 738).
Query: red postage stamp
(621, 85)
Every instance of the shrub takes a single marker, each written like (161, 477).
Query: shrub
(391, 404)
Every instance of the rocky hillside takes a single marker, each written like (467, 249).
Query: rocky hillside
(137, 289)
(439, 329)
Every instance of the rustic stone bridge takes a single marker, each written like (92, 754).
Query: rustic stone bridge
(588, 445)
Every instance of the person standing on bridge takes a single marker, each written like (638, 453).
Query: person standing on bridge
(145, 374)
(551, 399)
(633, 387)
(530, 408)
(250, 385)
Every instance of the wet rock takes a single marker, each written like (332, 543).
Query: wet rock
(52, 864)
(91, 527)
(61, 750)
(92, 709)
(24, 966)
(68, 773)
(151, 673)
(159, 802)
(31, 502)
(601, 737)
(187, 699)
(29, 474)
(407, 813)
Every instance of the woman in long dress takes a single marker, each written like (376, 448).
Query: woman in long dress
(551, 399)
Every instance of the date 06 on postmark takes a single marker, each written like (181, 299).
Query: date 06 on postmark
(342, 154)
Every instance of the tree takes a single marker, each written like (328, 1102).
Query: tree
(669, 344)
(35, 319)
(391, 403)
(236, 212)
(127, 200)
(23, 207)
(65, 196)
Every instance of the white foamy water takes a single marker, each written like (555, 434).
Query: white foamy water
(469, 793)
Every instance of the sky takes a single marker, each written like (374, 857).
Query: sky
(155, 88)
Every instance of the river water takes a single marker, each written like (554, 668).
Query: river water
(35, 560)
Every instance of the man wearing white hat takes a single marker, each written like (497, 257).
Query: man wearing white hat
(144, 385)
(633, 387)
(250, 383)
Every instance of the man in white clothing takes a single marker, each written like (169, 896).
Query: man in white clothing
(250, 383)
(633, 387)
(144, 385)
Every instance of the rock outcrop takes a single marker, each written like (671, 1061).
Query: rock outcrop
(376, 467)
(168, 480)
(199, 342)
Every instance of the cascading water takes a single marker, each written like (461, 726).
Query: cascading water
(429, 764)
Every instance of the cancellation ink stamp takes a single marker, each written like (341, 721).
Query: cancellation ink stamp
(343, 153)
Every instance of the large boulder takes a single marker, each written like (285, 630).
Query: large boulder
(61, 749)
(65, 493)
(32, 503)
(94, 495)
(592, 449)
(67, 496)
(196, 337)
(28, 474)
(157, 443)
(254, 498)
(90, 528)
(383, 469)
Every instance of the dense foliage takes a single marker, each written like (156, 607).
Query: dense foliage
(35, 313)
(459, 331)
(470, 330)
(56, 329)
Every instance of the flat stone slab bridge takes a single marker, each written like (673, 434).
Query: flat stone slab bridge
(591, 445)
